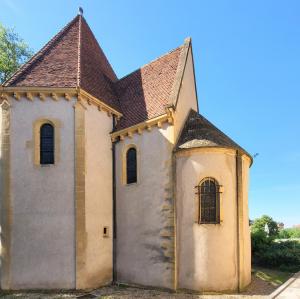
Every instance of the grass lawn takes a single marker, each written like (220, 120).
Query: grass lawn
(275, 277)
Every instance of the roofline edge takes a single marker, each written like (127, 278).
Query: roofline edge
(147, 124)
(37, 54)
(173, 99)
(84, 93)
(14, 90)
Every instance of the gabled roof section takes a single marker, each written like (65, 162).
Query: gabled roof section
(96, 74)
(148, 91)
(199, 132)
(72, 58)
(55, 65)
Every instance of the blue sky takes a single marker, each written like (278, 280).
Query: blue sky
(247, 60)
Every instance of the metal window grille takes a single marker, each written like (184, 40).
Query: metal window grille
(131, 166)
(209, 201)
(46, 144)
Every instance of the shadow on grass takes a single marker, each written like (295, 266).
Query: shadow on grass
(266, 281)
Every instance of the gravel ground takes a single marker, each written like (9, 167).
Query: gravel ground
(258, 289)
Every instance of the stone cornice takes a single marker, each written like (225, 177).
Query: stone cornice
(83, 95)
(30, 93)
(40, 92)
(146, 125)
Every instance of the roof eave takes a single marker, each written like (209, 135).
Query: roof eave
(10, 81)
(14, 90)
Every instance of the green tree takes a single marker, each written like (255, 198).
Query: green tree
(13, 52)
(288, 233)
(259, 225)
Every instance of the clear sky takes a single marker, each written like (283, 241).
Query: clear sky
(247, 60)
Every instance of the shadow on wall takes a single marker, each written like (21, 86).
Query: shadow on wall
(150, 250)
(158, 220)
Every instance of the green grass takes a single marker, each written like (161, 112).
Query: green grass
(272, 276)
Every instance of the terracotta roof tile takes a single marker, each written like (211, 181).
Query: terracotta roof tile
(72, 58)
(97, 75)
(145, 93)
(55, 65)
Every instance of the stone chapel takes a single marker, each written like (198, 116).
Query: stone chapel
(106, 179)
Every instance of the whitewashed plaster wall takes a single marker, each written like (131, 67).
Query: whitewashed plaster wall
(246, 239)
(145, 223)
(207, 253)
(42, 197)
(98, 192)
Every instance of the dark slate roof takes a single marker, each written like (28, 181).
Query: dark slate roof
(199, 132)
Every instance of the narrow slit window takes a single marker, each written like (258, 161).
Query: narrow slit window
(105, 231)
(209, 201)
(131, 166)
(46, 144)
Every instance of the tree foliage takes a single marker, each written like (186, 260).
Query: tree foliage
(282, 255)
(13, 52)
(269, 251)
(289, 233)
(259, 224)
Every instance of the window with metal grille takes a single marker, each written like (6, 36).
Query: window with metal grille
(47, 144)
(209, 201)
(131, 166)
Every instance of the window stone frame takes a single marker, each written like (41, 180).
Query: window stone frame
(36, 139)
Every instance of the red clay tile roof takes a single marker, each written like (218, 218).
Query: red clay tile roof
(55, 65)
(96, 74)
(71, 58)
(145, 93)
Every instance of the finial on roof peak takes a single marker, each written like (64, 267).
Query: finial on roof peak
(188, 39)
(80, 11)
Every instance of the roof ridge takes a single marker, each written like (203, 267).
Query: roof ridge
(180, 72)
(35, 57)
(79, 52)
(100, 49)
(152, 61)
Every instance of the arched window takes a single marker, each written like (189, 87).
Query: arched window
(131, 166)
(209, 201)
(47, 144)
